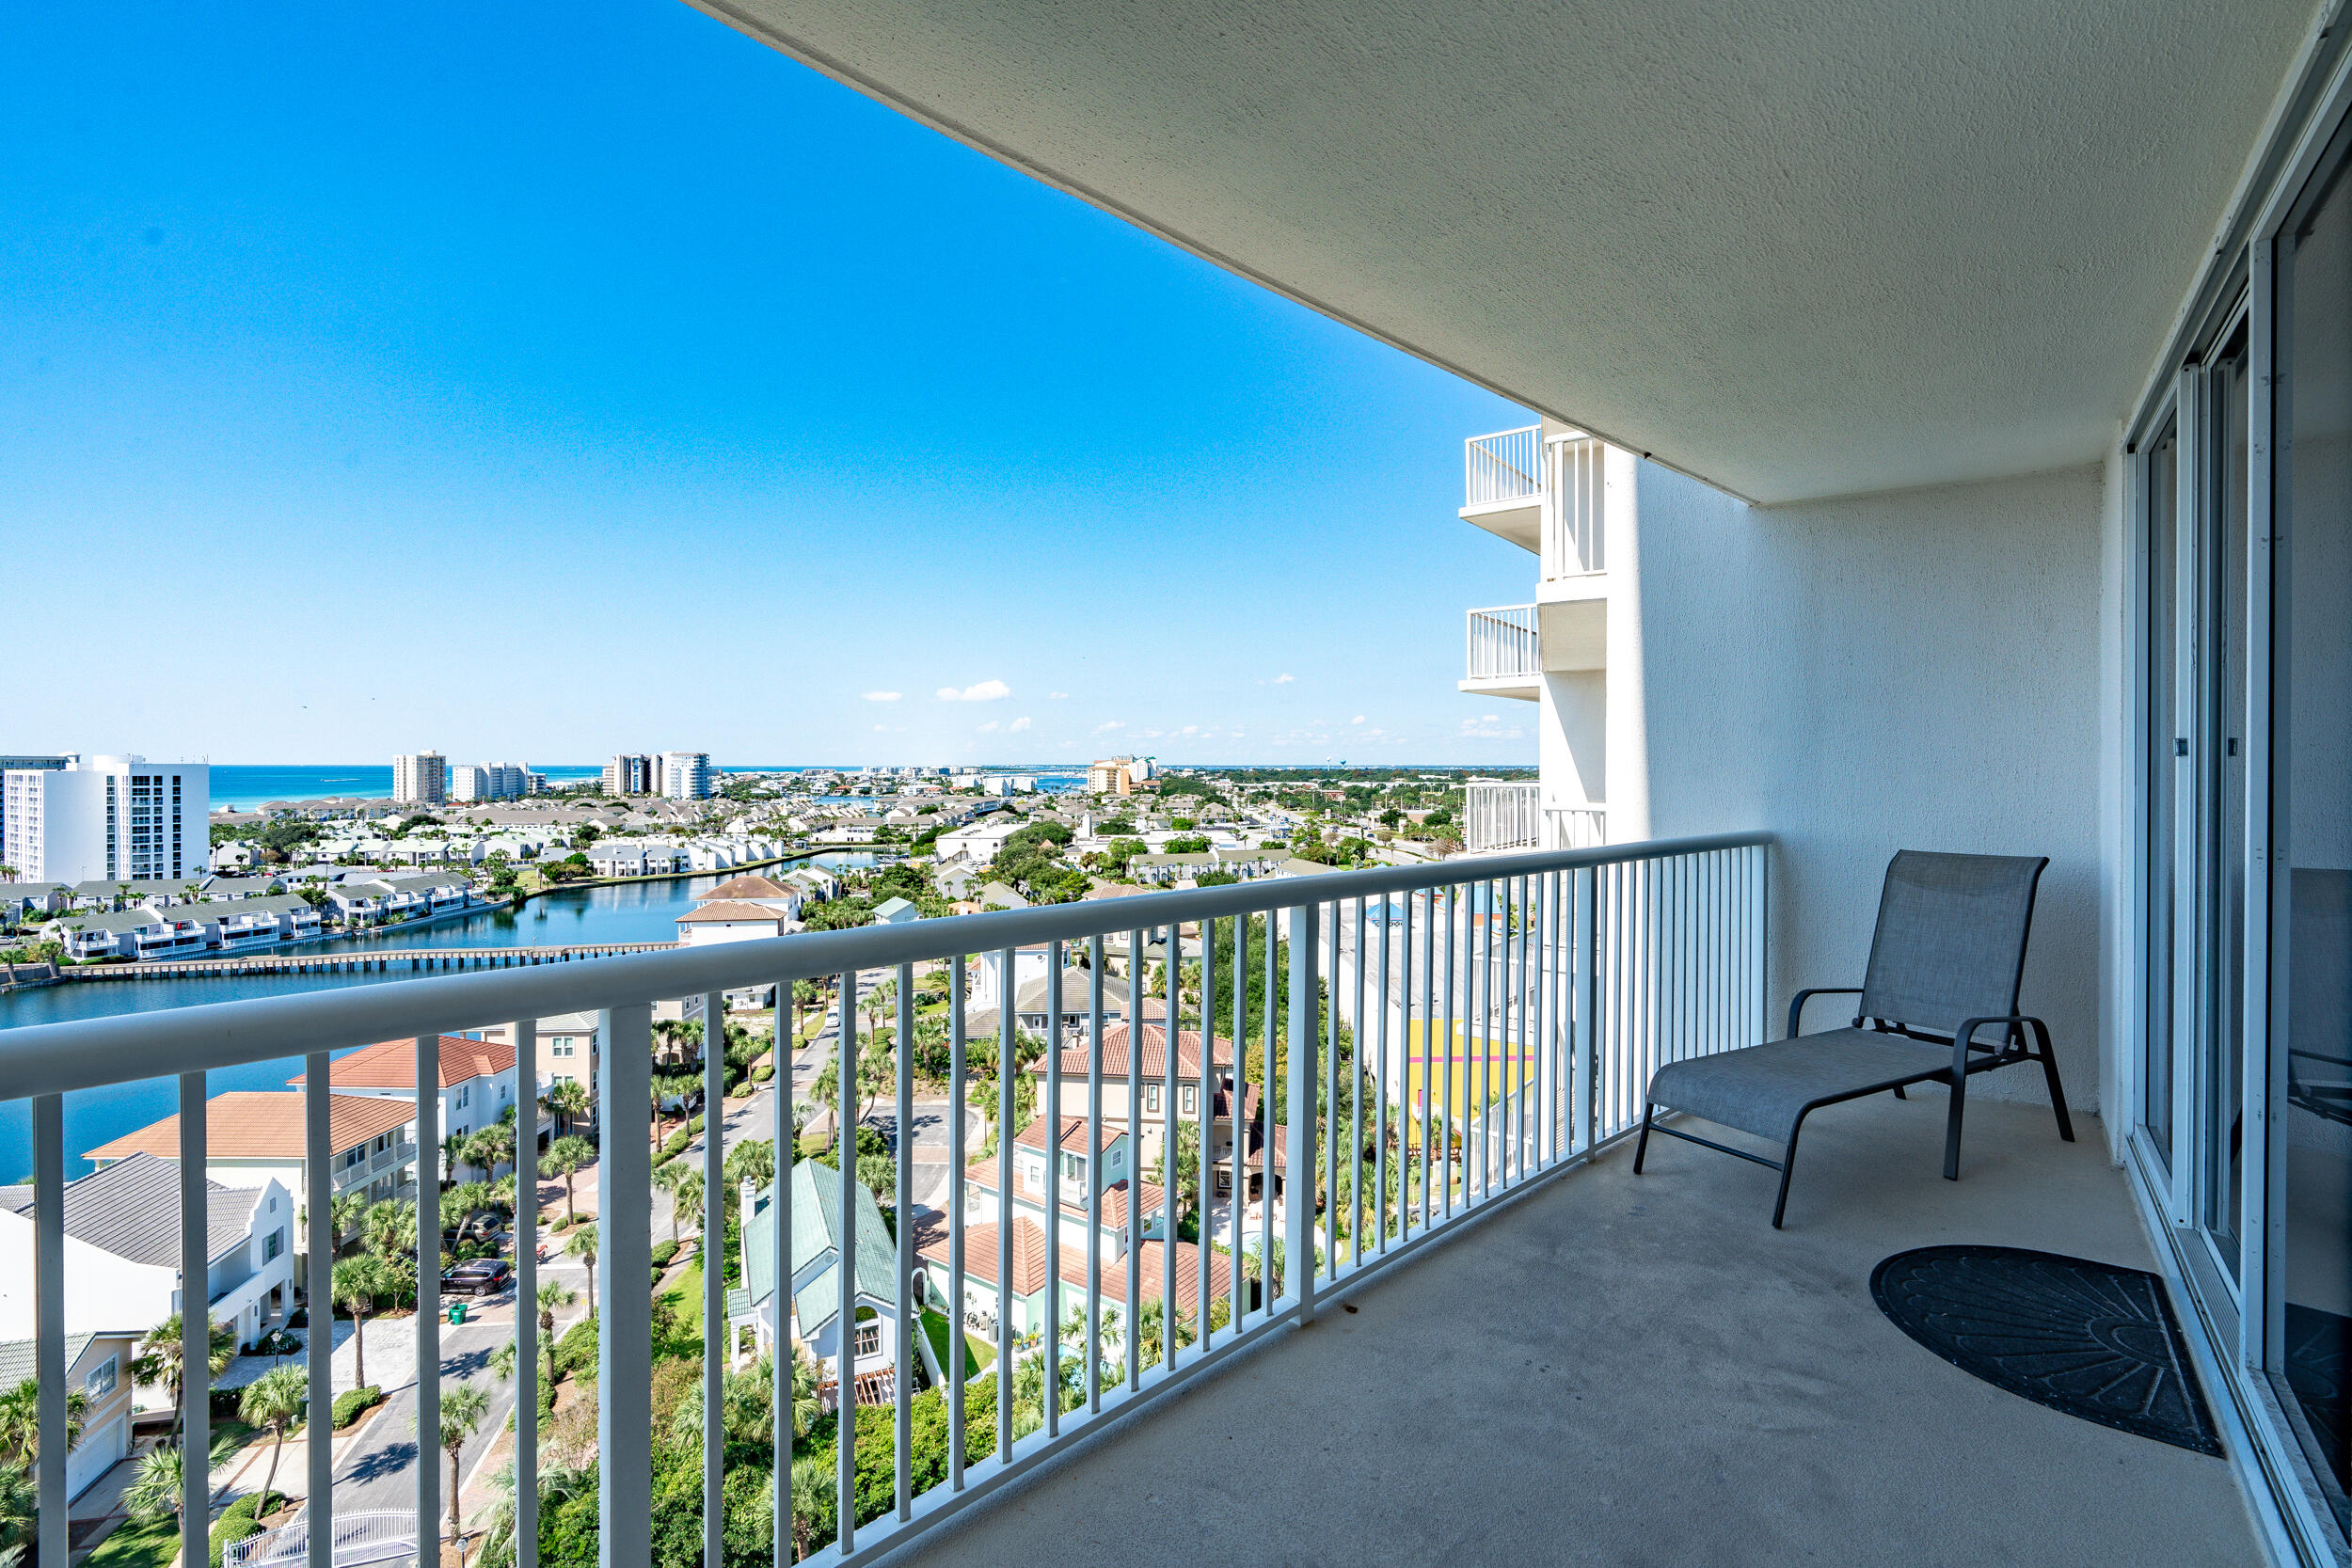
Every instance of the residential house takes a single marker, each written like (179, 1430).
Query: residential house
(1152, 1069)
(477, 1082)
(25, 902)
(725, 920)
(566, 1045)
(255, 1138)
(97, 1366)
(786, 897)
(130, 1210)
(896, 911)
(814, 1323)
(261, 922)
(1030, 1307)
(141, 931)
(1068, 1182)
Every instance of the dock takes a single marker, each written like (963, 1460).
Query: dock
(415, 960)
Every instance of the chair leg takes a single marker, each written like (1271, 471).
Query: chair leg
(1951, 1126)
(1641, 1144)
(2058, 1091)
(1787, 1167)
(1898, 1092)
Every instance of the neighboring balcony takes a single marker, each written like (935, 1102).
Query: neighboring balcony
(1506, 816)
(1506, 657)
(1546, 490)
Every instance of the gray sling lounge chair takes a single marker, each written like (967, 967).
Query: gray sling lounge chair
(1945, 964)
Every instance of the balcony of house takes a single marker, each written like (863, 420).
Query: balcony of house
(1499, 815)
(1506, 654)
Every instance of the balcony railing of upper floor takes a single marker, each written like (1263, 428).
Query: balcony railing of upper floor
(1438, 1036)
(1504, 643)
(1507, 466)
(1499, 816)
(1562, 475)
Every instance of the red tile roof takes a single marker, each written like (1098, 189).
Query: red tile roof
(1154, 1064)
(266, 1124)
(392, 1063)
(1028, 1265)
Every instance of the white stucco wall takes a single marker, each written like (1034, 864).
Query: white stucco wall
(1918, 669)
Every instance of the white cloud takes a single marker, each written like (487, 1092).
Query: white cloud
(1358, 720)
(880, 728)
(988, 727)
(881, 696)
(1147, 735)
(1113, 724)
(1489, 727)
(1189, 729)
(1018, 725)
(1057, 696)
(984, 691)
(1282, 679)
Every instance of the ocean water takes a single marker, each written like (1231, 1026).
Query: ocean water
(247, 786)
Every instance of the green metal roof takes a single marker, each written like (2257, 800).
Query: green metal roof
(815, 1228)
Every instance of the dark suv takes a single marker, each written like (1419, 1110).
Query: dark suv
(484, 1276)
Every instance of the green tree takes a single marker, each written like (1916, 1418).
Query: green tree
(567, 1157)
(273, 1402)
(157, 1488)
(390, 1228)
(686, 1204)
(357, 1283)
(583, 1246)
(159, 1360)
(568, 1098)
(668, 1178)
(463, 1405)
(19, 1421)
(753, 1163)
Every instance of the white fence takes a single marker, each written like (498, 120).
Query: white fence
(1497, 816)
(1575, 512)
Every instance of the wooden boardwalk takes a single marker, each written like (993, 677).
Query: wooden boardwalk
(418, 960)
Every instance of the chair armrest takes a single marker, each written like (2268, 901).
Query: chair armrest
(1796, 1003)
(1968, 1026)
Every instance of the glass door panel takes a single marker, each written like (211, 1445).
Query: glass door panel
(2163, 729)
(2219, 750)
(2312, 823)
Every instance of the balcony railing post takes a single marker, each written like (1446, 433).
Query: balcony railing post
(196, 1376)
(49, 1322)
(1584, 996)
(624, 1304)
(526, 1036)
(318, 1176)
(1298, 1184)
(714, 1272)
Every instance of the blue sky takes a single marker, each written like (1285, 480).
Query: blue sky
(538, 381)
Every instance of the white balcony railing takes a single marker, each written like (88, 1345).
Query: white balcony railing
(1505, 467)
(1575, 513)
(1498, 816)
(1575, 827)
(1503, 642)
(1558, 981)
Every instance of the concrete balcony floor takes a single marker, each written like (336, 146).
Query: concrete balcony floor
(1631, 1369)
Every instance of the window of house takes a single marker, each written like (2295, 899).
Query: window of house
(1191, 1100)
(100, 1381)
(272, 1245)
(353, 1156)
(1151, 1097)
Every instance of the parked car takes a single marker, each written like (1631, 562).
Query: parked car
(482, 1277)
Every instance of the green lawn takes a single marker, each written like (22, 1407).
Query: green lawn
(137, 1543)
(976, 1352)
(686, 1296)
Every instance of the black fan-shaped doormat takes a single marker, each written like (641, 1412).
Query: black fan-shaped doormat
(2087, 1339)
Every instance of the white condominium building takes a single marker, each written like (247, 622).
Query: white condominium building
(686, 775)
(489, 781)
(632, 773)
(420, 777)
(116, 818)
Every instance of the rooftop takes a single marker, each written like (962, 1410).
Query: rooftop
(392, 1063)
(264, 1124)
(132, 1209)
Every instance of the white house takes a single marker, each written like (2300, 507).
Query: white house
(97, 1366)
(130, 1210)
(727, 920)
(815, 1292)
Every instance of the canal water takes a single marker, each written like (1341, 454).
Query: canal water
(632, 912)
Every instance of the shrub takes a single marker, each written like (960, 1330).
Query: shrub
(576, 1352)
(238, 1522)
(351, 1405)
(763, 1072)
(662, 1254)
(301, 1317)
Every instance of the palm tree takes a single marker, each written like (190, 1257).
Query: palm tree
(807, 1404)
(159, 1359)
(466, 1200)
(686, 1203)
(274, 1401)
(669, 1178)
(583, 1246)
(159, 1486)
(551, 1298)
(813, 1501)
(568, 1098)
(453, 1155)
(567, 1157)
(557, 1483)
(391, 1228)
(20, 1421)
(463, 1405)
(20, 1513)
(357, 1283)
